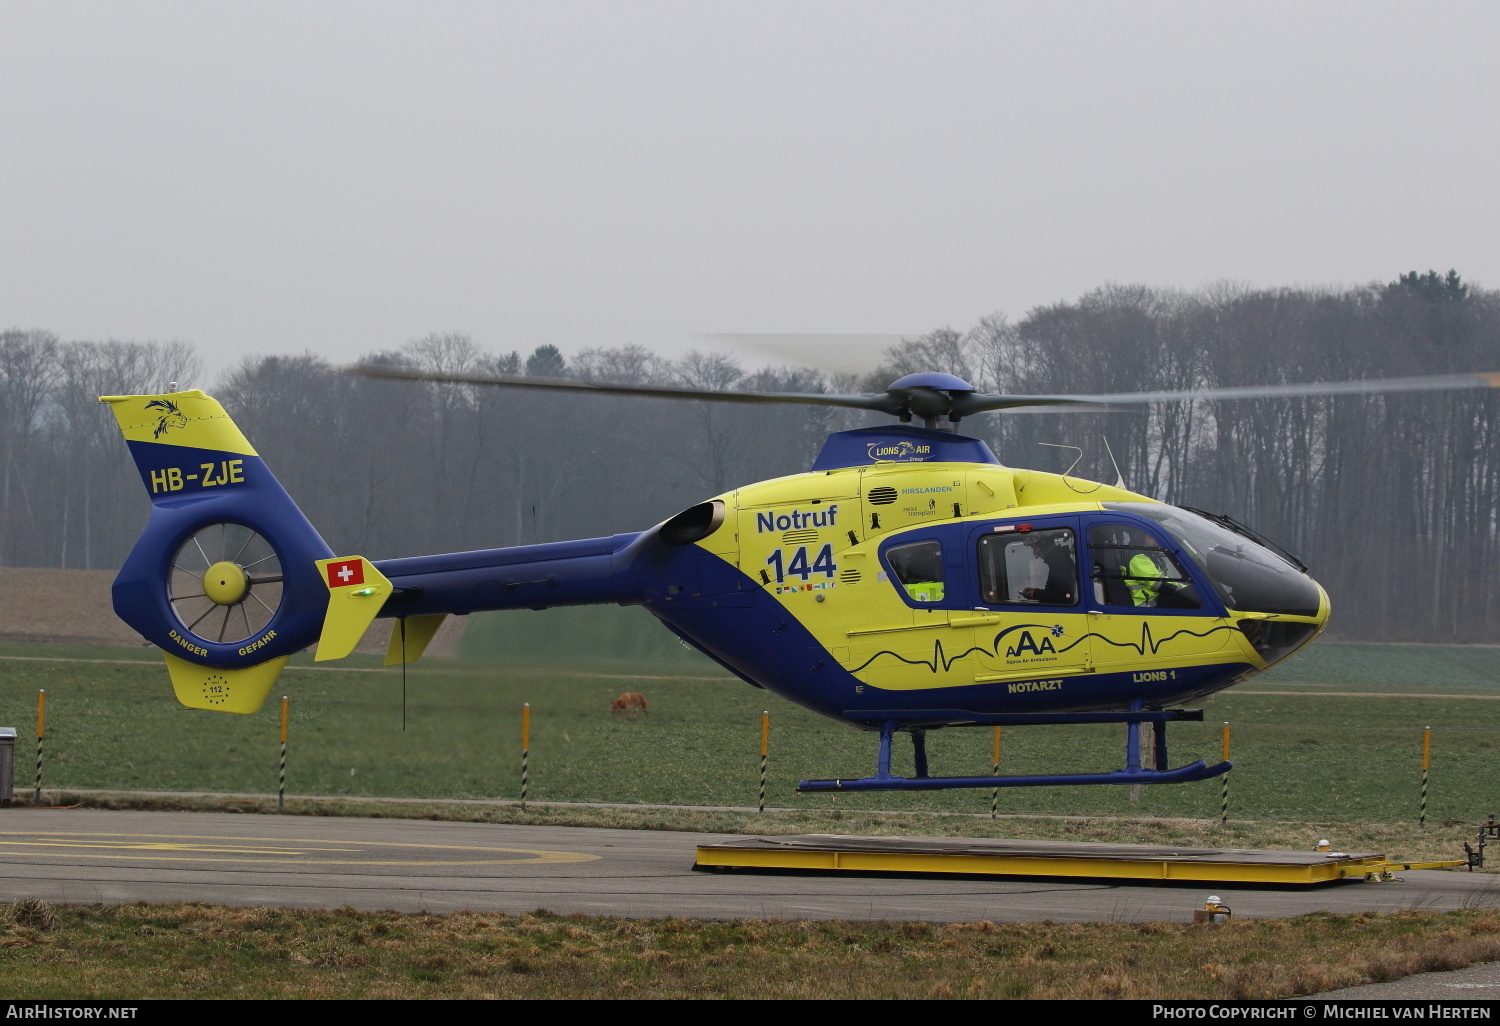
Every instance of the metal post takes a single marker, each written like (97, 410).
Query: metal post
(525, 750)
(1426, 756)
(8, 766)
(1133, 745)
(919, 751)
(1224, 794)
(41, 730)
(765, 744)
(995, 794)
(883, 760)
(281, 785)
(1148, 752)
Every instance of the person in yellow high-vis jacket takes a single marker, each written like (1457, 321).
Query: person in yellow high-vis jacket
(1143, 579)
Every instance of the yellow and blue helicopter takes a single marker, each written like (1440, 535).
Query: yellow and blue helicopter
(908, 581)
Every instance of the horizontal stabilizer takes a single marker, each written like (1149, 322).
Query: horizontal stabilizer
(223, 690)
(356, 591)
(410, 636)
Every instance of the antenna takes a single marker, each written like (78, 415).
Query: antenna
(1119, 477)
(1069, 471)
(1075, 448)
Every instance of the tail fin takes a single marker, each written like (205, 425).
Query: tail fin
(225, 578)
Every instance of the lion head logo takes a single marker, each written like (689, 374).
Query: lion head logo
(169, 416)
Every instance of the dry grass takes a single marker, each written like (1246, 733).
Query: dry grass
(1402, 841)
(197, 950)
(61, 606)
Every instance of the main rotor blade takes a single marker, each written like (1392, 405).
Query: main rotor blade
(883, 403)
(924, 401)
(1425, 383)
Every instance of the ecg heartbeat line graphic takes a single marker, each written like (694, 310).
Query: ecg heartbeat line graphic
(1150, 646)
(938, 658)
(941, 662)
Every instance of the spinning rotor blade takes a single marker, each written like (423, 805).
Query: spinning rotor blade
(859, 402)
(933, 395)
(1425, 383)
(978, 402)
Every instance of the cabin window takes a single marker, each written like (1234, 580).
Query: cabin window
(918, 569)
(1131, 568)
(1030, 568)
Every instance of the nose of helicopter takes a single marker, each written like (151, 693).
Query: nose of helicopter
(1267, 593)
(1275, 636)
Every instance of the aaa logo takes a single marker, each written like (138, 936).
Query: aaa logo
(1027, 645)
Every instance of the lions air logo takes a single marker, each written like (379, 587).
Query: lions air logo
(1028, 645)
(902, 450)
(169, 416)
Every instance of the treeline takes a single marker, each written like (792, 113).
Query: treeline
(1391, 500)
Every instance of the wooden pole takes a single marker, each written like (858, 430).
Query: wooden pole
(765, 745)
(281, 784)
(525, 751)
(41, 730)
(1224, 793)
(1426, 758)
(995, 792)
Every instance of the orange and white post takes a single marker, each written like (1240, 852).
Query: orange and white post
(281, 784)
(995, 792)
(41, 730)
(525, 751)
(765, 746)
(1224, 793)
(1426, 758)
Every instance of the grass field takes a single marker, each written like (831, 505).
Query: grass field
(205, 951)
(1334, 735)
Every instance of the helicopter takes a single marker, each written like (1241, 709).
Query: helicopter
(907, 581)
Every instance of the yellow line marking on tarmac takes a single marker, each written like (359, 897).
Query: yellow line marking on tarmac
(166, 846)
(148, 846)
(1369, 694)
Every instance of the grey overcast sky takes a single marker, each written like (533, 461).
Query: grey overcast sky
(339, 177)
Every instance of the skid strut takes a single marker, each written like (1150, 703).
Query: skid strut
(1133, 773)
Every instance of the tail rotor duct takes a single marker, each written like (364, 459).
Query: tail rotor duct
(226, 583)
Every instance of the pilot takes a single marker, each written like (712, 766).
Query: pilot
(1055, 552)
(1143, 579)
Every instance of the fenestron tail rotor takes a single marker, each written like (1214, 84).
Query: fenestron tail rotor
(226, 583)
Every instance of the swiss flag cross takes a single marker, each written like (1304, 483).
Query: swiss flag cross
(345, 573)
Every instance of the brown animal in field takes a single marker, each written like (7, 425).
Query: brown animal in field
(629, 705)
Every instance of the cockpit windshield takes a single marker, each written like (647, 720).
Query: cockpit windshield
(1247, 576)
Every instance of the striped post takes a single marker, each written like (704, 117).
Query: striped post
(995, 793)
(1426, 757)
(765, 744)
(525, 751)
(1224, 793)
(41, 730)
(281, 784)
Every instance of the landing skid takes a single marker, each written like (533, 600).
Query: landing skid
(1133, 773)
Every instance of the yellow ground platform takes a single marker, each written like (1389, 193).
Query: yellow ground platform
(994, 857)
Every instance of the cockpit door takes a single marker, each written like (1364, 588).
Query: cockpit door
(1031, 624)
(1146, 612)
